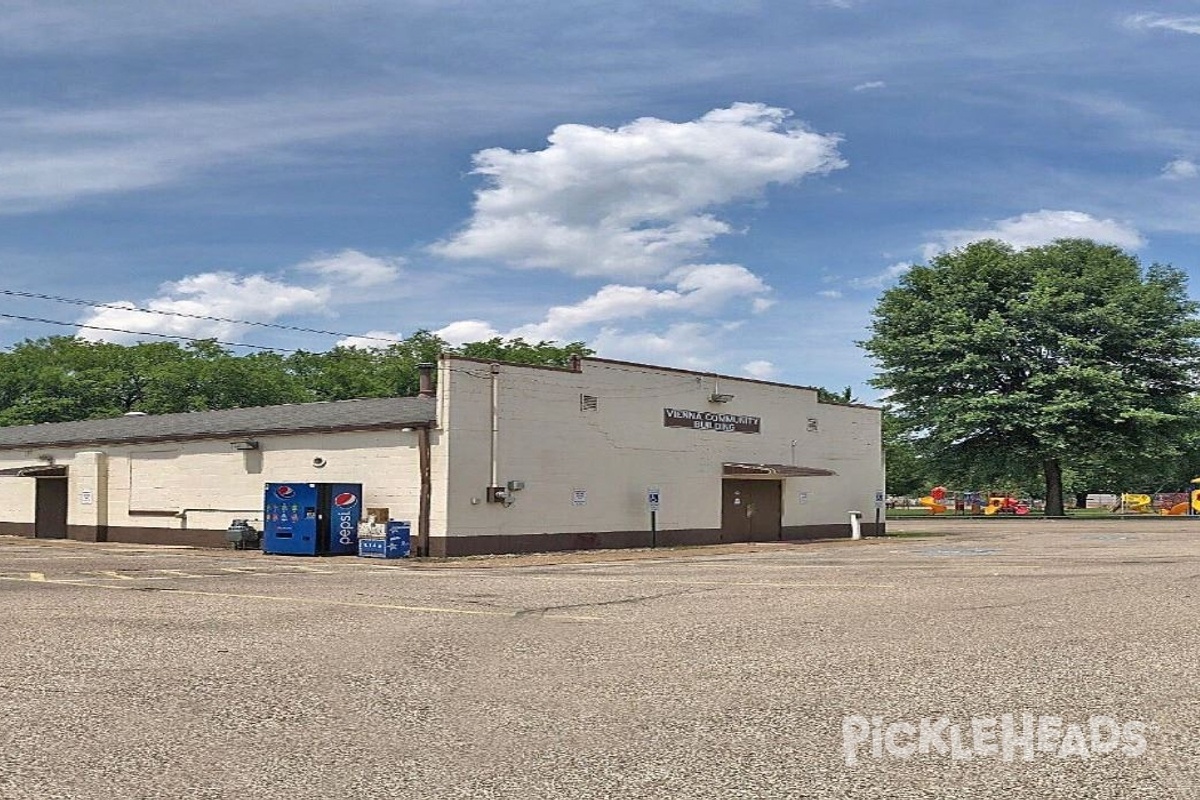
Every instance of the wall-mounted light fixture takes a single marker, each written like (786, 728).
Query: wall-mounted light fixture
(504, 494)
(244, 444)
(717, 395)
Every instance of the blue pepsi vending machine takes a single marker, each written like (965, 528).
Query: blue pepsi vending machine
(311, 519)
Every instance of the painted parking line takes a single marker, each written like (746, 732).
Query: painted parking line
(588, 578)
(754, 584)
(157, 574)
(313, 601)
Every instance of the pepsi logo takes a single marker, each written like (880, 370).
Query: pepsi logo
(345, 499)
(285, 492)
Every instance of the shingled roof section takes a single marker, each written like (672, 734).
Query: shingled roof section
(341, 415)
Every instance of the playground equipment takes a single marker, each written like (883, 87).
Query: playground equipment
(934, 501)
(1169, 504)
(1004, 504)
(933, 505)
(1136, 503)
(940, 500)
(1190, 507)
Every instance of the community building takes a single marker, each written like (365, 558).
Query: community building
(501, 458)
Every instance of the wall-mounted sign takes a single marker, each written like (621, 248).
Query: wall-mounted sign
(579, 497)
(710, 421)
(86, 497)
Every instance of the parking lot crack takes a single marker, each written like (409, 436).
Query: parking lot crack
(618, 602)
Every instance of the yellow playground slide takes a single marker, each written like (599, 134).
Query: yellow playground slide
(933, 505)
(1137, 503)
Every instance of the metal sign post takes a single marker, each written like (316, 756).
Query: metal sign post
(653, 497)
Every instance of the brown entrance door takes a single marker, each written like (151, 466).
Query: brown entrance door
(751, 511)
(50, 509)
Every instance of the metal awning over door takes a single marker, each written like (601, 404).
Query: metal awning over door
(34, 471)
(776, 471)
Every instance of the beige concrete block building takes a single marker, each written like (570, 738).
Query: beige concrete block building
(504, 458)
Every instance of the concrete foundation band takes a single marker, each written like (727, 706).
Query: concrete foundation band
(451, 546)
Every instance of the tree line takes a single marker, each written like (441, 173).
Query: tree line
(63, 379)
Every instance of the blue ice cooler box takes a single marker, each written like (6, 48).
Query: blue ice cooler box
(395, 542)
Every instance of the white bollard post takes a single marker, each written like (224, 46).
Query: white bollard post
(855, 526)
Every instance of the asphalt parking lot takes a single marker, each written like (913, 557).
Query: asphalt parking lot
(751, 671)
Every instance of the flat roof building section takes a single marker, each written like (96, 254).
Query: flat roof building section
(505, 458)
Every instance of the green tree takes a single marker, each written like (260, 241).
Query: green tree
(1001, 363)
(908, 474)
(61, 378)
(547, 354)
(349, 372)
(843, 398)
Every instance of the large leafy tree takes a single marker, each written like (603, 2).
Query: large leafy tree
(1001, 364)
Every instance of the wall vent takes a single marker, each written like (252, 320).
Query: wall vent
(588, 402)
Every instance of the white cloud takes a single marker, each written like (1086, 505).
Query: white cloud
(467, 330)
(763, 370)
(1038, 228)
(257, 298)
(699, 289)
(41, 25)
(51, 158)
(632, 201)
(705, 287)
(241, 299)
(636, 202)
(882, 279)
(1184, 24)
(869, 85)
(354, 268)
(832, 294)
(1181, 169)
(687, 345)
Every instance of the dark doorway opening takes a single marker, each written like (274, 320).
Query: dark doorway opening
(50, 513)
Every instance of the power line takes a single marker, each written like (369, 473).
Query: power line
(147, 333)
(94, 304)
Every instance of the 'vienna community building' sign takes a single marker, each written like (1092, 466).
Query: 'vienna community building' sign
(710, 421)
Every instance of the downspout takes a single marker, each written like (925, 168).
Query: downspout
(495, 474)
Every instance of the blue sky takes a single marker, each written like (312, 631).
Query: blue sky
(706, 184)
